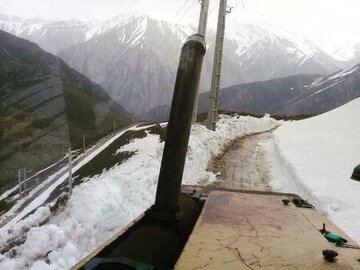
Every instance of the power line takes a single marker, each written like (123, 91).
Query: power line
(155, 46)
(187, 1)
(160, 39)
(216, 73)
(192, 3)
(212, 10)
(243, 3)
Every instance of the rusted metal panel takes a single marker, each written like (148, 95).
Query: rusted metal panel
(253, 231)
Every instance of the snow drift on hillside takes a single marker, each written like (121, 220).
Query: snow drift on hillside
(109, 201)
(315, 159)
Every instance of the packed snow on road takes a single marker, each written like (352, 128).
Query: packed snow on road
(313, 158)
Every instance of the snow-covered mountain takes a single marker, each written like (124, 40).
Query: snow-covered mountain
(339, 41)
(136, 61)
(52, 36)
(134, 58)
(269, 51)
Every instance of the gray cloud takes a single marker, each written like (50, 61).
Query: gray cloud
(288, 10)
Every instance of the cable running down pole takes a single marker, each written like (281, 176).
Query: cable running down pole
(216, 73)
(201, 31)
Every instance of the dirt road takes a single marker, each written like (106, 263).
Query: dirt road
(242, 164)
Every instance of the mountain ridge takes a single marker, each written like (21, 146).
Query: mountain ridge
(293, 95)
(45, 107)
(112, 60)
(134, 58)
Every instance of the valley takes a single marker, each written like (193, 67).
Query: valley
(134, 58)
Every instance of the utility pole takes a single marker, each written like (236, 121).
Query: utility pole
(19, 177)
(114, 126)
(70, 172)
(24, 179)
(216, 73)
(202, 31)
(203, 17)
(84, 146)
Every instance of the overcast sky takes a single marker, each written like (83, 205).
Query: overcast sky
(337, 19)
(316, 10)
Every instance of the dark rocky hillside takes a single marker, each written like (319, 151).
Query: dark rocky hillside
(294, 95)
(260, 97)
(255, 98)
(45, 107)
(326, 93)
(298, 95)
(160, 113)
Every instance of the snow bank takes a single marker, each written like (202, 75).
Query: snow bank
(39, 200)
(204, 143)
(315, 159)
(96, 209)
(111, 200)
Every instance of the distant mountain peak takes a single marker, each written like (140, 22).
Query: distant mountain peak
(134, 57)
(6, 17)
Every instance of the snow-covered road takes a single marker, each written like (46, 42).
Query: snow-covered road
(243, 164)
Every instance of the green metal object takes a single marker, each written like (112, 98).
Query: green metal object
(116, 263)
(333, 238)
(356, 173)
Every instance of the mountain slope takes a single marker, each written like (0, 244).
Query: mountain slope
(135, 58)
(326, 93)
(268, 51)
(131, 62)
(45, 107)
(136, 61)
(52, 36)
(259, 97)
(294, 95)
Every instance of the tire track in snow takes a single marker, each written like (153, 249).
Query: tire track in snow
(242, 164)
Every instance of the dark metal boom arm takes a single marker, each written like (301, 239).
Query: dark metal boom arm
(178, 131)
